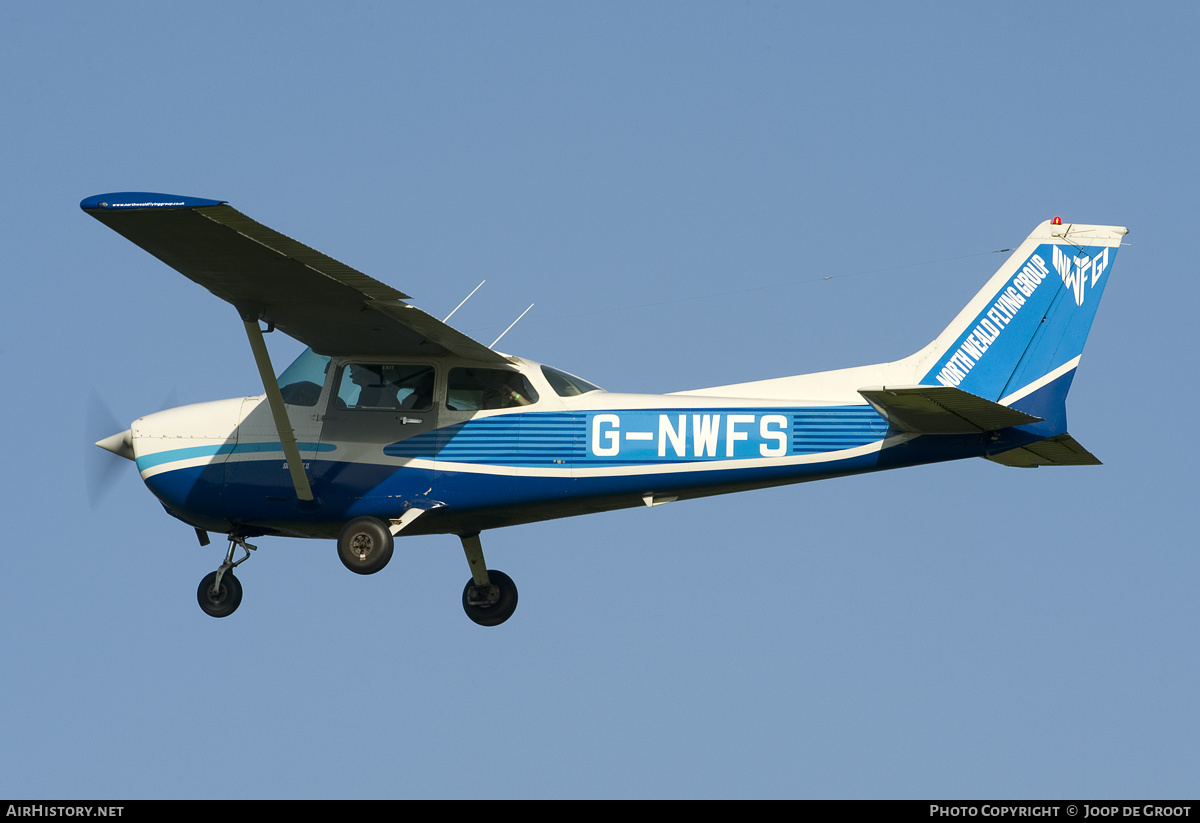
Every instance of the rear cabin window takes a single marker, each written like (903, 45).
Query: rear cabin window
(385, 386)
(482, 389)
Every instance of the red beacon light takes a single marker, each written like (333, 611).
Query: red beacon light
(1057, 221)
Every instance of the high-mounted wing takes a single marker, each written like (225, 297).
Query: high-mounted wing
(269, 277)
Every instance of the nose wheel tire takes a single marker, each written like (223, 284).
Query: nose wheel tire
(365, 545)
(223, 601)
(489, 607)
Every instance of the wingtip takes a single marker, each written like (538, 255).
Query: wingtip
(143, 200)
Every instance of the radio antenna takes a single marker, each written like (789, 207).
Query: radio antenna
(464, 300)
(510, 325)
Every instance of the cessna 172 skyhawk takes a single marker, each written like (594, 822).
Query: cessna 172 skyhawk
(393, 423)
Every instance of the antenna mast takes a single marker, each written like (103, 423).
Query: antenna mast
(510, 325)
(464, 300)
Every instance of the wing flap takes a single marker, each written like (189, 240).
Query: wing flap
(435, 330)
(942, 410)
(266, 275)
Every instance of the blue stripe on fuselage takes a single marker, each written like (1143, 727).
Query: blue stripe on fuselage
(645, 437)
(172, 455)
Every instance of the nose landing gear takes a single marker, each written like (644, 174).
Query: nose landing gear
(220, 593)
(219, 598)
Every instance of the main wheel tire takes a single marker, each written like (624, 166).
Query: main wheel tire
(365, 545)
(497, 612)
(225, 600)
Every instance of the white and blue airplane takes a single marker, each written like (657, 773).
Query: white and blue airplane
(392, 423)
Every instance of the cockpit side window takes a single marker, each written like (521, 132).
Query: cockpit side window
(385, 386)
(482, 389)
(300, 384)
(567, 385)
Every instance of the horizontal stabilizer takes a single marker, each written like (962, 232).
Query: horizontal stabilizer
(1062, 450)
(942, 410)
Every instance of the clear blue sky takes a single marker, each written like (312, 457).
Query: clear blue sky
(671, 183)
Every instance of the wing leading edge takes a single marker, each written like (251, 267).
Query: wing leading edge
(267, 276)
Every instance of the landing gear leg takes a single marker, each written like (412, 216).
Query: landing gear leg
(220, 593)
(490, 597)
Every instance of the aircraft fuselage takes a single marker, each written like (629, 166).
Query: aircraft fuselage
(218, 466)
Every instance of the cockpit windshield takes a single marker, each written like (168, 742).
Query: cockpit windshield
(567, 385)
(300, 384)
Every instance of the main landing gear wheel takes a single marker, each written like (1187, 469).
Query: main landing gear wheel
(219, 601)
(493, 604)
(365, 545)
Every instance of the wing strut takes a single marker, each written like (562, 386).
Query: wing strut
(287, 437)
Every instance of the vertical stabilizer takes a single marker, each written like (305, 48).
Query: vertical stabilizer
(1018, 341)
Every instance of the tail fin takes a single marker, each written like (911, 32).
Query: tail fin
(1016, 343)
(1019, 340)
